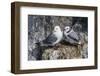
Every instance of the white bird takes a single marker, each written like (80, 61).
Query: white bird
(54, 38)
(71, 36)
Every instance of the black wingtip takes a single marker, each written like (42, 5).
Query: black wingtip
(38, 44)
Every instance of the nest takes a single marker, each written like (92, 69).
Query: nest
(63, 51)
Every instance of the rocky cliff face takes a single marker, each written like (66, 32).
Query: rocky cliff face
(39, 27)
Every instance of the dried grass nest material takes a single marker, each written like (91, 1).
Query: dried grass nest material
(62, 52)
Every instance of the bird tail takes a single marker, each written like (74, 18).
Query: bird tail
(40, 43)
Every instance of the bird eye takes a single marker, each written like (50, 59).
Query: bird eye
(66, 28)
(56, 28)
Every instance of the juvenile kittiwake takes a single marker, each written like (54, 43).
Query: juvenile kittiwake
(71, 36)
(54, 38)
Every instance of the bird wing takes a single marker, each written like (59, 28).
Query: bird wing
(73, 35)
(50, 39)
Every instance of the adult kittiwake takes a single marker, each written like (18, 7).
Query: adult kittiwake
(54, 38)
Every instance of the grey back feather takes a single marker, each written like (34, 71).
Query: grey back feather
(74, 35)
(50, 39)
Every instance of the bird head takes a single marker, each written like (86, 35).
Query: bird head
(57, 28)
(67, 29)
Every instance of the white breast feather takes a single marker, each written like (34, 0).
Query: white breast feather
(59, 36)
